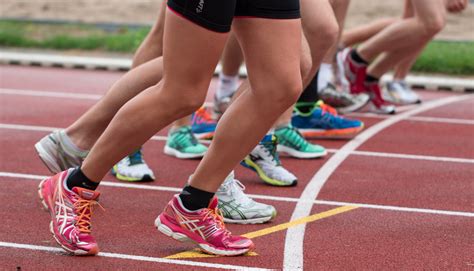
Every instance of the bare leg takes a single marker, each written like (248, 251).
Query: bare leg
(362, 33)
(181, 92)
(232, 56)
(275, 87)
(429, 19)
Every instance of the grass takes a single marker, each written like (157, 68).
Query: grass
(455, 58)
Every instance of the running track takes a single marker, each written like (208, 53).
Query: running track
(399, 196)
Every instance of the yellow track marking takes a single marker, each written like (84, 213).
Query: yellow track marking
(196, 253)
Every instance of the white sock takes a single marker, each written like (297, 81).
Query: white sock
(227, 85)
(325, 75)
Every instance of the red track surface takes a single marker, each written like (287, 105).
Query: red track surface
(375, 236)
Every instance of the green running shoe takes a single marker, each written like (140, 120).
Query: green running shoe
(291, 141)
(183, 144)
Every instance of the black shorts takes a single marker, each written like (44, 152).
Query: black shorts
(217, 15)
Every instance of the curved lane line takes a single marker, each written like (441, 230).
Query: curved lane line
(293, 252)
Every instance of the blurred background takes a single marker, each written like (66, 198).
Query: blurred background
(116, 27)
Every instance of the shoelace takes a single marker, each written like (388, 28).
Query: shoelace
(326, 108)
(270, 147)
(298, 138)
(136, 157)
(83, 209)
(216, 216)
(186, 137)
(201, 115)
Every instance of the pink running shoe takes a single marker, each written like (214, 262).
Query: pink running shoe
(355, 73)
(204, 227)
(71, 213)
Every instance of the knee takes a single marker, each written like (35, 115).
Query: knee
(285, 92)
(433, 25)
(180, 101)
(325, 36)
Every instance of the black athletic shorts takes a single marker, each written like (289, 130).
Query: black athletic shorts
(217, 15)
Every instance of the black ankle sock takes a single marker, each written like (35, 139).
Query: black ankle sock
(357, 58)
(78, 179)
(371, 79)
(194, 199)
(309, 96)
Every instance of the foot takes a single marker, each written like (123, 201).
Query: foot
(354, 72)
(399, 92)
(133, 168)
(343, 102)
(56, 154)
(377, 103)
(290, 141)
(71, 212)
(203, 125)
(205, 227)
(265, 162)
(324, 122)
(221, 105)
(237, 207)
(183, 144)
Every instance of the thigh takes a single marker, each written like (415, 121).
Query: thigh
(271, 49)
(429, 10)
(190, 53)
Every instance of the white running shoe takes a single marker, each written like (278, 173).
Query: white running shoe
(399, 92)
(237, 207)
(56, 154)
(265, 162)
(133, 168)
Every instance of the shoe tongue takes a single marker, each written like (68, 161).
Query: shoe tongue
(86, 193)
(213, 203)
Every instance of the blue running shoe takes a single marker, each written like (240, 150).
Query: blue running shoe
(323, 122)
(203, 125)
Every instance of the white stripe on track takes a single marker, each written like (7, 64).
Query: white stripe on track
(364, 153)
(293, 251)
(134, 257)
(51, 94)
(414, 118)
(264, 197)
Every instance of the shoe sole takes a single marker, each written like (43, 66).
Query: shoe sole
(40, 194)
(181, 155)
(353, 108)
(298, 154)
(251, 165)
(120, 177)
(336, 134)
(47, 158)
(182, 237)
(252, 221)
(204, 136)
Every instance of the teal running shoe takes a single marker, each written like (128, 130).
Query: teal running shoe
(291, 141)
(183, 144)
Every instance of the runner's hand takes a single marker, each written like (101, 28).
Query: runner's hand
(456, 6)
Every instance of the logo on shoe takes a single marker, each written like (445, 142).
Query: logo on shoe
(200, 6)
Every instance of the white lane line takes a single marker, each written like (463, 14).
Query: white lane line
(293, 252)
(255, 196)
(409, 156)
(133, 257)
(83, 96)
(51, 94)
(415, 118)
(50, 129)
(364, 153)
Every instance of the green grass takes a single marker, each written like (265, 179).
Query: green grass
(65, 37)
(447, 57)
(456, 58)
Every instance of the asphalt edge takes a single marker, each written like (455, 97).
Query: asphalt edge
(442, 83)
